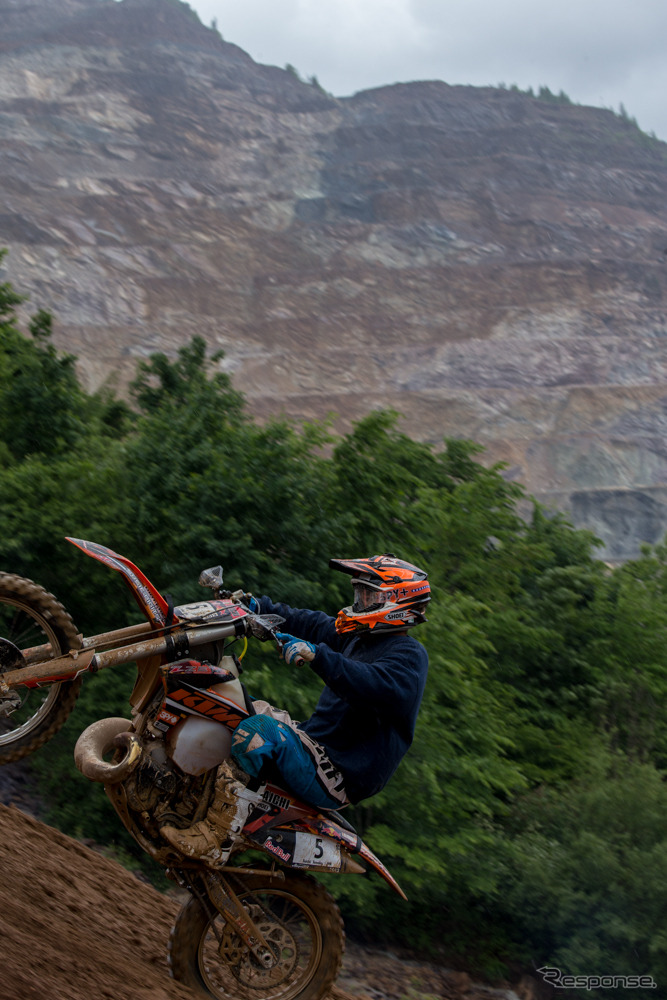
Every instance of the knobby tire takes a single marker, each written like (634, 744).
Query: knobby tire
(29, 616)
(194, 959)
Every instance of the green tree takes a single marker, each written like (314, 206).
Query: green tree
(585, 886)
(41, 404)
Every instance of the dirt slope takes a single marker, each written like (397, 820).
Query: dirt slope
(76, 926)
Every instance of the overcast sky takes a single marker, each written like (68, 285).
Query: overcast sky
(600, 52)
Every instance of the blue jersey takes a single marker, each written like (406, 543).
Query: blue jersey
(366, 715)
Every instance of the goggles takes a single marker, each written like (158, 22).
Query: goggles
(367, 597)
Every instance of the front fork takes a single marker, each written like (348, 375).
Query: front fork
(234, 913)
(219, 898)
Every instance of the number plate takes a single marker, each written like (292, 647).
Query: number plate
(318, 851)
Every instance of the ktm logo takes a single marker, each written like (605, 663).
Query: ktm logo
(230, 715)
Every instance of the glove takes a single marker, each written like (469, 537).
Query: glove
(295, 650)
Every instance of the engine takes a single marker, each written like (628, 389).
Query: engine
(160, 792)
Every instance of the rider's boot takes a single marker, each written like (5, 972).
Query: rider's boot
(211, 839)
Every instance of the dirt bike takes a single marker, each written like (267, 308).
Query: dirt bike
(252, 928)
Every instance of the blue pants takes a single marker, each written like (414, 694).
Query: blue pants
(302, 763)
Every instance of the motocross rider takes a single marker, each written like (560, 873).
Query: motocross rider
(374, 674)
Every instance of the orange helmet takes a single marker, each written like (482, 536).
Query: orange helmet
(389, 594)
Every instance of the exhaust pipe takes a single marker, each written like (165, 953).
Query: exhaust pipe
(100, 738)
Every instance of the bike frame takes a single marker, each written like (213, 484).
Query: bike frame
(168, 635)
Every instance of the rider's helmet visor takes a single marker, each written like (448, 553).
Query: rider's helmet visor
(366, 596)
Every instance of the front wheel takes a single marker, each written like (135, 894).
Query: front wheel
(31, 617)
(296, 916)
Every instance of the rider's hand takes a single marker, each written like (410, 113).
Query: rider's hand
(295, 650)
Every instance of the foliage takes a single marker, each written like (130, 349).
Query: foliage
(545, 94)
(526, 822)
(588, 873)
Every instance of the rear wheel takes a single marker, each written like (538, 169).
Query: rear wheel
(30, 617)
(297, 918)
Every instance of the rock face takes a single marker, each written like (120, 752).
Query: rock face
(491, 265)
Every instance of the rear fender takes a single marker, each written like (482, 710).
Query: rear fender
(353, 843)
(148, 597)
(277, 831)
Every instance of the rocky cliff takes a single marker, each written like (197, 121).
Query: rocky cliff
(489, 264)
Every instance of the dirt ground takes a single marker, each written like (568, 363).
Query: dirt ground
(75, 925)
